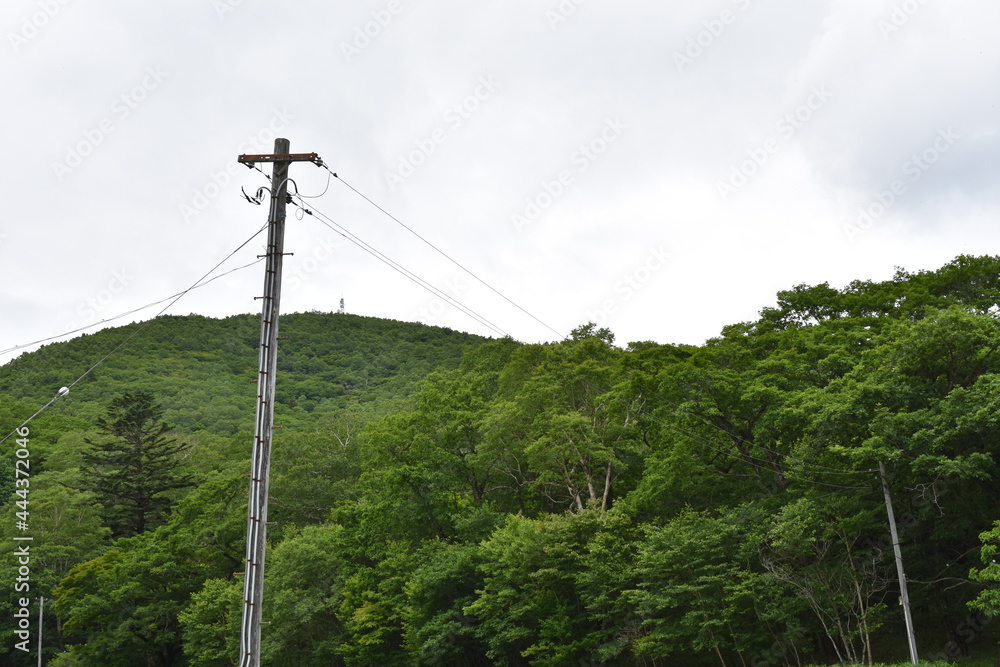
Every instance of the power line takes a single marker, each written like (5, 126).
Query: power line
(303, 210)
(143, 327)
(356, 240)
(333, 225)
(328, 179)
(817, 469)
(127, 313)
(444, 254)
(329, 222)
(350, 236)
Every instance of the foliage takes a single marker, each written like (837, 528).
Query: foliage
(132, 470)
(988, 600)
(126, 603)
(439, 499)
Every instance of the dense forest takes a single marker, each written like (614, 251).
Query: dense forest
(444, 499)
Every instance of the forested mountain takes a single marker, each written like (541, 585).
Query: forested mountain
(200, 368)
(442, 499)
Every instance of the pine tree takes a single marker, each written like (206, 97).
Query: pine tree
(133, 469)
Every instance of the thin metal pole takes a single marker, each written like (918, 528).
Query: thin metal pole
(904, 598)
(261, 457)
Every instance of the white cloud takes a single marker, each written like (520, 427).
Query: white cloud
(891, 93)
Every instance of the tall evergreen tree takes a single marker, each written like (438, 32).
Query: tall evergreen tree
(133, 469)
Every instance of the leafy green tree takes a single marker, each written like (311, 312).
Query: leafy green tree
(557, 426)
(304, 576)
(124, 607)
(444, 500)
(373, 607)
(530, 606)
(698, 595)
(438, 631)
(313, 471)
(819, 550)
(988, 600)
(923, 399)
(65, 529)
(211, 624)
(135, 467)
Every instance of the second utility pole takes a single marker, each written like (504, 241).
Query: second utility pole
(260, 460)
(904, 596)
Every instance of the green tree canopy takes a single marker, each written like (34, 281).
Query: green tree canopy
(135, 465)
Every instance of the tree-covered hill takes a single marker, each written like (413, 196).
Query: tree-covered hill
(444, 500)
(201, 369)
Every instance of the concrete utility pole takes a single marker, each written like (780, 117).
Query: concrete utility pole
(904, 598)
(260, 464)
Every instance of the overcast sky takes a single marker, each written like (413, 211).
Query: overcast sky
(660, 168)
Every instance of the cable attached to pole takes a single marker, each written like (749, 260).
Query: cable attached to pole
(445, 255)
(65, 390)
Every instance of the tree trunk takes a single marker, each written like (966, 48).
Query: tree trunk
(607, 488)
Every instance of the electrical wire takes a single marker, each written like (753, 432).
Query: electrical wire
(303, 210)
(350, 236)
(768, 463)
(815, 469)
(140, 329)
(444, 254)
(347, 234)
(329, 178)
(725, 450)
(127, 313)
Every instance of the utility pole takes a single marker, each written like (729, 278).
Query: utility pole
(260, 463)
(904, 598)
